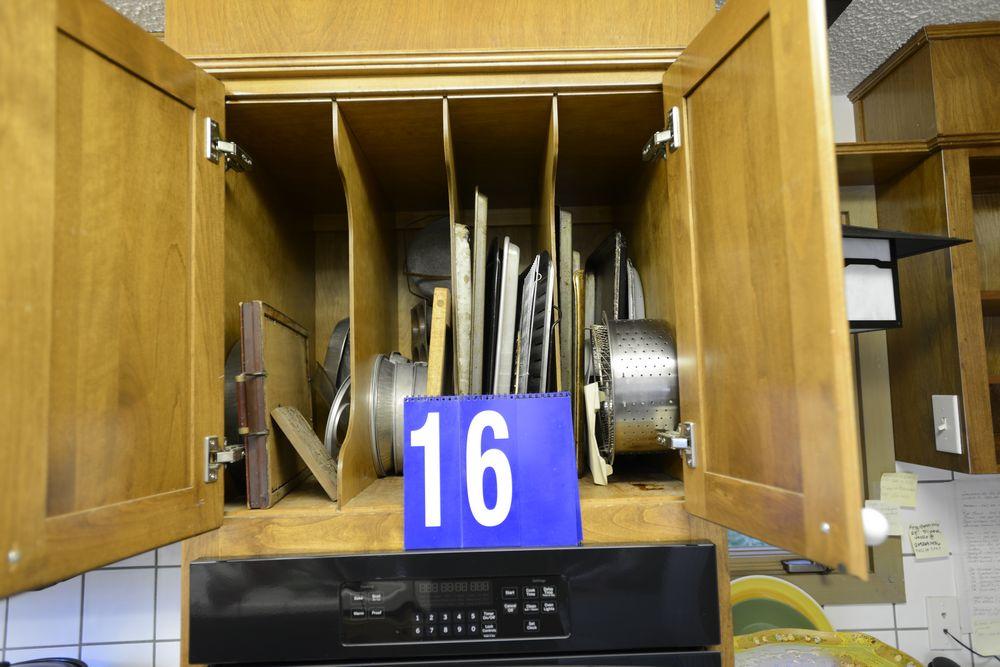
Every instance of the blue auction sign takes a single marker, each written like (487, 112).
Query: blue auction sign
(489, 471)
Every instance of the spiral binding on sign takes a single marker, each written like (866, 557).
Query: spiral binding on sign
(488, 397)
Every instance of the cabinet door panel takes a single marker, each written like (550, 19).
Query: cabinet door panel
(117, 339)
(762, 327)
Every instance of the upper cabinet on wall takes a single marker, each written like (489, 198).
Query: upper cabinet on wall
(941, 88)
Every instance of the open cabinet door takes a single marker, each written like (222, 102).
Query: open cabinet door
(762, 329)
(111, 277)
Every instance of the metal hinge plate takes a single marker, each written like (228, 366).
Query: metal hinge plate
(237, 159)
(681, 440)
(217, 455)
(670, 138)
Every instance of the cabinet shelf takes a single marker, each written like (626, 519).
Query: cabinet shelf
(869, 163)
(991, 303)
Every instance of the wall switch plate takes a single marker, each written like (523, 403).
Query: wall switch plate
(942, 614)
(947, 425)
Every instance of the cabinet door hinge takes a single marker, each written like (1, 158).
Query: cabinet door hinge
(657, 145)
(237, 159)
(217, 455)
(681, 440)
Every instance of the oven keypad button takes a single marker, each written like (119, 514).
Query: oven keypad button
(549, 592)
(532, 625)
(549, 607)
(530, 607)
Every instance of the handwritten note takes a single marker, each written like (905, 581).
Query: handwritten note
(986, 636)
(899, 488)
(891, 514)
(928, 540)
(978, 508)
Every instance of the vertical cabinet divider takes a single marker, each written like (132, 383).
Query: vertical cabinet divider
(461, 306)
(545, 224)
(372, 278)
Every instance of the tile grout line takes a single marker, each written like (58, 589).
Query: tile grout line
(6, 624)
(156, 585)
(79, 643)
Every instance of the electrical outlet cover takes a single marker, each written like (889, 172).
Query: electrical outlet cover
(947, 424)
(942, 614)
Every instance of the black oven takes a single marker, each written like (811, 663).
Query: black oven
(602, 605)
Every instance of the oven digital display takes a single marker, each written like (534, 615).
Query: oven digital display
(471, 592)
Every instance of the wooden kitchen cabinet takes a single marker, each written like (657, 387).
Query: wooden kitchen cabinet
(939, 89)
(736, 234)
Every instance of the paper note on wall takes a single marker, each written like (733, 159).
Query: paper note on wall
(891, 513)
(899, 488)
(928, 540)
(986, 636)
(978, 508)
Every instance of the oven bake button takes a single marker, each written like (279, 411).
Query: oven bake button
(549, 607)
(489, 614)
(510, 592)
(511, 607)
(548, 592)
(531, 625)
(357, 598)
(530, 607)
(531, 591)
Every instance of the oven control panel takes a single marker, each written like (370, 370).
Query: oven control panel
(449, 610)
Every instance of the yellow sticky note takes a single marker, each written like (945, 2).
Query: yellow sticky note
(891, 513)
(928, 540)
(986, 635)
(899, 488)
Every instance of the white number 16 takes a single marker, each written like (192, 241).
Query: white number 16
(477, 461)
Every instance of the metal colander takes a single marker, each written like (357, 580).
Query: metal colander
(635, 362)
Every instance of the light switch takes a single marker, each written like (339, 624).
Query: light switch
(947, 427)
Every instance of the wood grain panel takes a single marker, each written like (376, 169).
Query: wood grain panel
(131, 315)
(499, 145)
(932, 353)
(27, 196)
(764, 355)
(545, 230)
(966, 80)
(303, 26)
(601, 138)
(290, 141)
(650, 240)
(869, 163)
(372, 270)
(902, 105)
(122, 370)
(332, 287)
(986, 219)
(404, 145)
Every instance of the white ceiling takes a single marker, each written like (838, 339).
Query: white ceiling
(865, 34)
(870, 30)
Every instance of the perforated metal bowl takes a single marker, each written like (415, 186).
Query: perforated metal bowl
(636, 365)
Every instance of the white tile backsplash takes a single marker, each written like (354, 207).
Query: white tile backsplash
(48, 617)
(860, 616)
(917, 642)
(22, 654)
(169, 555)
(147, 559)
(168, 603)
(118, 605)
(168, 654)
(118, 655)
(923, 578)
